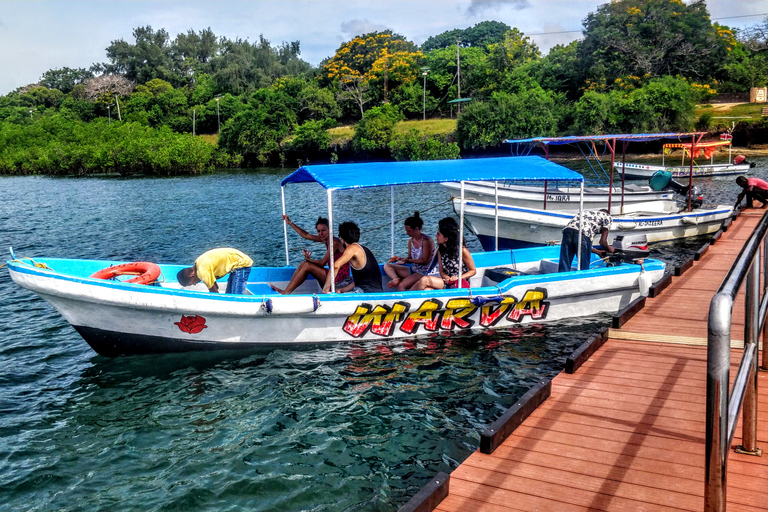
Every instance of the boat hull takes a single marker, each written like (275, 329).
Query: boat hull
(521, 227)
(636, 171)
(562, 198)
(119, 318)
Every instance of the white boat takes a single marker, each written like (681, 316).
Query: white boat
(633, 170)
(124, 318)
(528, 227)
(565, 198)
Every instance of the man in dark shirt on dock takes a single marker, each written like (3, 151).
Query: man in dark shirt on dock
(753, 188)
(592, 223)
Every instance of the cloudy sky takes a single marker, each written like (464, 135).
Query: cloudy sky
(38, 35)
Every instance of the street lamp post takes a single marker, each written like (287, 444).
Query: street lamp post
(30, 113)
(218, 116)
(109, 113)
(424, 100)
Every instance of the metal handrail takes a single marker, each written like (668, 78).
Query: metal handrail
(722, 409)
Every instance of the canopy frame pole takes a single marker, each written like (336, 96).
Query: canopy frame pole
(461, 235)
(581, 226)
(285, 227)
(496, 227)
(330, 241)
(612, 149)
(392, 216)
(624, 147)
(694, 140)
(545, 195)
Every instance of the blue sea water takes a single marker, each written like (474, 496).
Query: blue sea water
(343, 427)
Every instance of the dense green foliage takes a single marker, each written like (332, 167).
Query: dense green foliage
(641, 66)
(375, 129)
(415, 146)
(56, 145)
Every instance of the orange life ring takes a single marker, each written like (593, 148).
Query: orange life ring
(144, 271)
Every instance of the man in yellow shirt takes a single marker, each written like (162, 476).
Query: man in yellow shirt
(216, 263)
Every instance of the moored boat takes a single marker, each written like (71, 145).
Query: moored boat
(528, 227)
(566, 199)
(634, 170)
(117, 317)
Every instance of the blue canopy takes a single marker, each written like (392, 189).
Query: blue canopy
(382, 174)
(625, 137)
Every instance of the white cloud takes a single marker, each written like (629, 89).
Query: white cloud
(354, 28)
(478, 7)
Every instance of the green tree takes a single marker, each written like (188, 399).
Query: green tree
(560, 70)
(64, 79)
(147, 58)
(374, 131)
(651, 37)
(311, 137)
(486, 124)
(255, 133)
(415, 146)
(242, 67)
(158, 104)
(441, 80)
(662, 105)
(479, 36)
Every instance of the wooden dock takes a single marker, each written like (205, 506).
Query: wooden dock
(626, 431)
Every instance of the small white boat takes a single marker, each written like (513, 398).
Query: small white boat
(566, 199)
(528, 227)
(633, 170)
(126, 318)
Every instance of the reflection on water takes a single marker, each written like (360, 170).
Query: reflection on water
(346, 426)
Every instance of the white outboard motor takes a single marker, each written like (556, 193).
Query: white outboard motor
(629, 248)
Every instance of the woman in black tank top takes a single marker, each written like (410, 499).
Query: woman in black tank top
(365, 268)
(367, 278)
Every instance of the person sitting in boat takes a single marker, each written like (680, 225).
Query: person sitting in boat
(448, 251)
(753, 188)
(316, 268)
(592, 223)
(365, 268)
(421, 252)
(216, 263)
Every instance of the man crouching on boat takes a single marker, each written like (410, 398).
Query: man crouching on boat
(753, 188)
(365, 269)
(217, 263)
(593, 223)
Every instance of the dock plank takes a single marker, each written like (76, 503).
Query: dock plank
(625, 432)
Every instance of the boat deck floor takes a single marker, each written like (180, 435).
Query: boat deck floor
(626, 431)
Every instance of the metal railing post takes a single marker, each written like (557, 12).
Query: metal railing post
(718, 368)
(764, 365)
(723, 408)
(751, 332)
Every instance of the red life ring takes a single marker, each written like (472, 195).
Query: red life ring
(144, 271)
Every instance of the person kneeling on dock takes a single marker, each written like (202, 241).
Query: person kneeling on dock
(217, 263)
(753, 188)
(365, 268)
(592, 223)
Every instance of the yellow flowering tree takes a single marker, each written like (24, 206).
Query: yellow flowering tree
(370, 66)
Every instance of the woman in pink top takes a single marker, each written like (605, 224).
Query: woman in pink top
(753, 188)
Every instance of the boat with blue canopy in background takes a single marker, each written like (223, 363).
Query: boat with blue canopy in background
(527, 219)
(510, 287)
